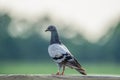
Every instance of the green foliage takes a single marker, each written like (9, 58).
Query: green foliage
(34, 47)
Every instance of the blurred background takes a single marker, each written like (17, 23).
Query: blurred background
(89, 28)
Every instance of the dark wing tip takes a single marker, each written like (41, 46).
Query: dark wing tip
(82, 71)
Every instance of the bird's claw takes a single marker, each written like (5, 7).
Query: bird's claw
(62, 73)
(57, 73)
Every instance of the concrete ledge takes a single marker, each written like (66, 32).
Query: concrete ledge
(54, 77)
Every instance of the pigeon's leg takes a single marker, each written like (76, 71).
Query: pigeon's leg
(59, 68)
(58, 73)
(63, 70)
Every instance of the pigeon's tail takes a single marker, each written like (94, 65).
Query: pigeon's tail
(80, 70)
(75, 65)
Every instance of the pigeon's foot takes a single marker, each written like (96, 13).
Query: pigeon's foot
(62, 73)
(58, 73)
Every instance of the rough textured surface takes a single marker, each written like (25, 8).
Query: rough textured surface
(54, 77)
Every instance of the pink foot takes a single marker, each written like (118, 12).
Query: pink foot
(57, 73)
(62, 73)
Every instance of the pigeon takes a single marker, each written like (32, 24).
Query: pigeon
(60, 54)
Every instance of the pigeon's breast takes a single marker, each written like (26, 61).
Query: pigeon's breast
(54, 50)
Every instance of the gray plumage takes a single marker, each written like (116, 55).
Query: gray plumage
(60, 54)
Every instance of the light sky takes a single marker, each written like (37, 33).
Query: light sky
(93, 17)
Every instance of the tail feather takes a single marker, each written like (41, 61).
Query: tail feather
(82, 71)
(79, 68)
(75, 65)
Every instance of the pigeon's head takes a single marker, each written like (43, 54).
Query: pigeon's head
(51, 28)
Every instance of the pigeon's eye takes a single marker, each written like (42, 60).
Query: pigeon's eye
(52, 27)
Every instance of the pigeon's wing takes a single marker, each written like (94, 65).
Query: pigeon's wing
(68, 52)
(58, 52)
(72, 62)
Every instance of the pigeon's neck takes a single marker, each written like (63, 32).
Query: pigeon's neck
(54, 38)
